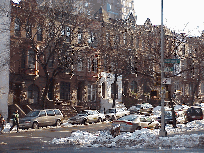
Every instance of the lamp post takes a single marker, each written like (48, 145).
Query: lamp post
(162, 131)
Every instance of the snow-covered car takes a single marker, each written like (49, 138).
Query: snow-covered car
(141, 108)
(133, 122)
(40, 118)
(112, 113)
(135, 109)
(87, 116)
(181, 117)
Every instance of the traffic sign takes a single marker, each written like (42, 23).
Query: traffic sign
(166, 81)
(172, 61)
(168, 69)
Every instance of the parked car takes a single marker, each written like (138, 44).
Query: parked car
(181, 117)
(40, 118)
(87, 116)
(133, 122)
(112, 113)
(135, 109)
(194, 113)
(168, 117)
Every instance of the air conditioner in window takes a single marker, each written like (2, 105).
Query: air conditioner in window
(31, 101)
(31, 66)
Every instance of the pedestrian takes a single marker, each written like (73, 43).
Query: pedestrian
(15, 118)
(2, 122)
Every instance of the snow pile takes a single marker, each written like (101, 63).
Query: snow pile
(7, 128)
(144, 138)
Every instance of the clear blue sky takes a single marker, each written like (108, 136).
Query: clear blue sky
(178, 14)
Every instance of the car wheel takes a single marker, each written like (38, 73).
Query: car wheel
(100, 119)
(84, 121)
(35, 125)
(138, 128)
(58, 123)
(157, 126)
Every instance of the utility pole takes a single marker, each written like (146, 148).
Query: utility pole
(162, 131)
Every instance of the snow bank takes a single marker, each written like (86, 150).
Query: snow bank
(144, 138)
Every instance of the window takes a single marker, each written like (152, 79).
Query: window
(176, 87)
(112, 91)
(108, 7)
(33, 93)
(137, 43)
(86, 4)
(79, 65)
(80, 36)
(123, 3)
(23, 59)
(67, 33)
(91, 37)
(134, 86)
(51, 62)
(124, 38)
(107, 37)
(39, 34)
(17, 27)
(89, 65)
(50, 113)
(42, 113)
(28, 31)
(92, 90)
(65, 91)
(57, 112)
(92, 64)
(130, 4)
(31, 59)
(50, 91)
(202, 87)
(125, 9)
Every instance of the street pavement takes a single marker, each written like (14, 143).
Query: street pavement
(34, 141)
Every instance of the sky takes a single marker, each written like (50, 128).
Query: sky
(178, 15)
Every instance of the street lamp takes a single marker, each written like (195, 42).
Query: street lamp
(162, 131)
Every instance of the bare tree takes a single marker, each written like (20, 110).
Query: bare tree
(56, 30)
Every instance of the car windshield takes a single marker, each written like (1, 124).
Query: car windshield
(83, 112)
(195, 111)
(138, 106)
(111, 111)
(168, 113)
(33, 114)
(128, 118)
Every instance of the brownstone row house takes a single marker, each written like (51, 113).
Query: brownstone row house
(67, 59)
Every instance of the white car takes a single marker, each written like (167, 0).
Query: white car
(133, 122)
(112, 113)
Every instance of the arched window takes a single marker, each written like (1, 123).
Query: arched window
(134, 86)
(33, 94)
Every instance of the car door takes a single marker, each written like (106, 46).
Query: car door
(50, 117)
(42, 118)
(90, 116)
(143, 122)
(150, 122)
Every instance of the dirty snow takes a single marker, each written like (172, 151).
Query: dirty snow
(145, 138)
